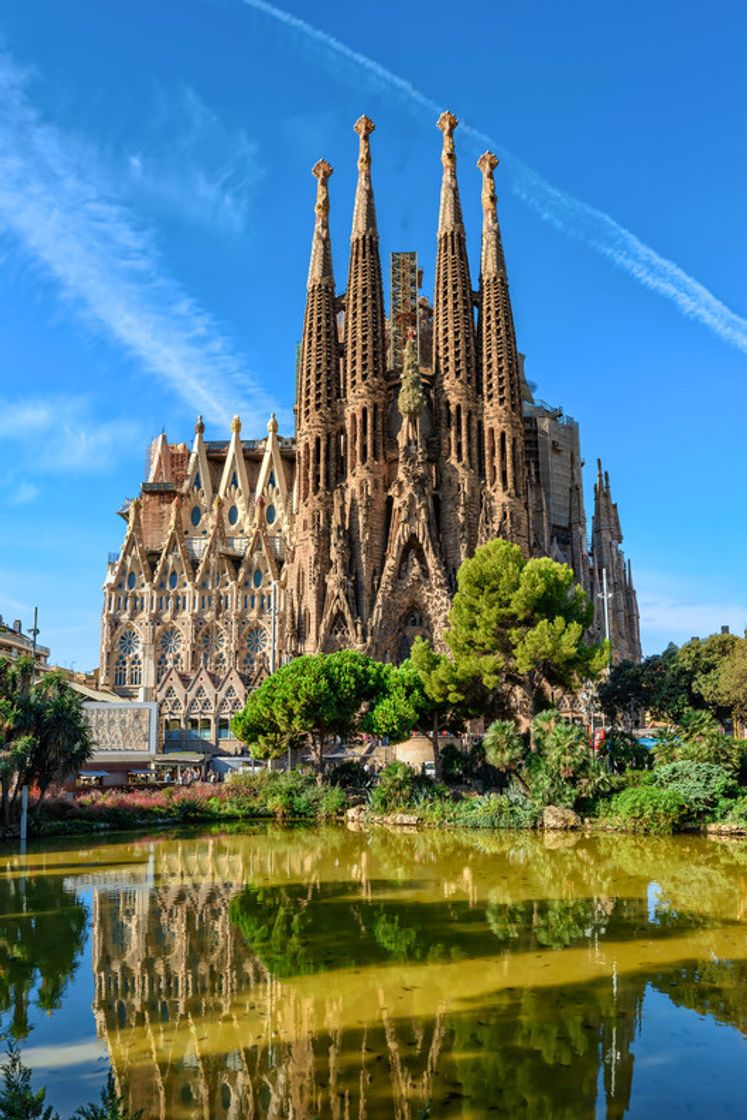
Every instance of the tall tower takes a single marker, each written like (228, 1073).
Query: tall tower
(505, 495)
(610, 570)
(364, 389)
(317, 438)
(455, 370)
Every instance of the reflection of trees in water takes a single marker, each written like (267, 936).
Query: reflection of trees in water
(325, 973)
(42, 934)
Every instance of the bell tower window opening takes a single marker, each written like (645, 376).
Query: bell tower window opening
(504, 462)
(364, 436)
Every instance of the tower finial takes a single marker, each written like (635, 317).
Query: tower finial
(364, 211)
(447, 122)
(364, 126)
(320, 264)
(492, 262)
(321, 172)
(236, 424)
(199, 426)
(487, 163)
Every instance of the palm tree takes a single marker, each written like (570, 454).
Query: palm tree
(506, 749)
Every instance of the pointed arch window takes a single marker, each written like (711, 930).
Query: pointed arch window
(235, 480)
(170, 651)
(197, 484)
(128, 667)
(255, 647)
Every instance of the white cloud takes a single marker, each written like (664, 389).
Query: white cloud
(57, 433)
(675, 610)
(190, 165)
(57, 201)
(22, 493)
(567, 214)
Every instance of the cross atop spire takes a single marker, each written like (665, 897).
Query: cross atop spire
(320, 265)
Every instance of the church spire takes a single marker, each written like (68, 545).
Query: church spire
(365, 388)
(320, 267)
(455, 365)
(501, 380)
(318, 372)
(453, 328)
(364, 300)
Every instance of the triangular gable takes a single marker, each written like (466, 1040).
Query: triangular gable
(216, 543)
(203, 682)
(160, 461)
(174, 553)
(259, 544)
(133, 546)
(272, 464)
(234, 486)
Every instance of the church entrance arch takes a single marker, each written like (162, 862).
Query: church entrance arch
(413, 624)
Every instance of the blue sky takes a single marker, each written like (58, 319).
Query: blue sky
(155, 221)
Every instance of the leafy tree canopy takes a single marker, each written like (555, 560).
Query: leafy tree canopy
(44, 734)
(518, 623)
(320, 696)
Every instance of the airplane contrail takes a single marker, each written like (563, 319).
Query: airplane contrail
(569, 215)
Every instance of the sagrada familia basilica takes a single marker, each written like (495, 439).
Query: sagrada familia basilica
(417, 438)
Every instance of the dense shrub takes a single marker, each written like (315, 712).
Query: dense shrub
(737, 811)
(624, 752)
(511, 810)
(454, 765)
(701, 785)
(394, 789)
(648, 809)
(699, 738)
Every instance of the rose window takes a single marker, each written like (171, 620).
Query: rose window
(256, 644)
(171, 642)
(129, 643)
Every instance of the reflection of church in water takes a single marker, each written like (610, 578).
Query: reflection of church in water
(266, 1011)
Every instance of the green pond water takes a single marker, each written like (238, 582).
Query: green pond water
(328, 973)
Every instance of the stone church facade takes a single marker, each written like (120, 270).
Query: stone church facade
(417, 438)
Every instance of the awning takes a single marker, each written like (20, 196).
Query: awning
(93, 774)
(173, 757)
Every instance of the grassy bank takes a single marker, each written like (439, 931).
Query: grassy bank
(677, 797)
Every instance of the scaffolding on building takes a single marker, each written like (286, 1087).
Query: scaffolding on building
(403, 320)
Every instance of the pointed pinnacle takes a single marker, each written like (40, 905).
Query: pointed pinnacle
(447, 122)
(321, 172)
(364, 126)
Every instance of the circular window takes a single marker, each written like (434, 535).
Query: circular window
(257, 578)
(196, 516)
(270, 515)
(131, 580)
(256, 644)
(233, 515)
(172, 580)
(171, 641)
(129, 643)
